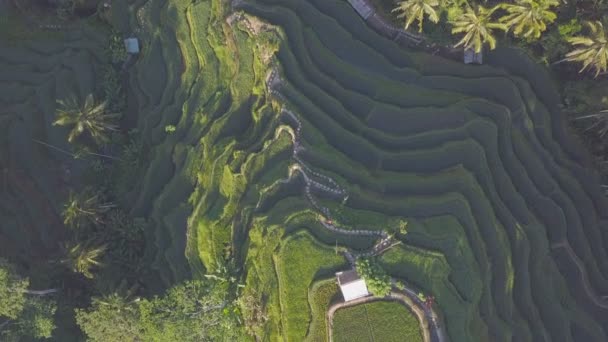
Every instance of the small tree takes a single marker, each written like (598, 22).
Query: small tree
(591, 50)
(529, 18)
(89, 117)
(477, 26)
(376, 279)
(112, 318)
(84, 207)
(415, 10)
(82, 259)
(26, 312)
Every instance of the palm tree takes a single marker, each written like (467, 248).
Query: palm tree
(90, 117)
(84, 207)
(414, 10)
(82, 259)
(477, 27)
(591, 50)
(600, 122)
(529, 17)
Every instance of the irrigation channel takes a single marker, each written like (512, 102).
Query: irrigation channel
(317, 182)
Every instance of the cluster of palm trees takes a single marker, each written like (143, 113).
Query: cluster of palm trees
(87, 120)
(80, 211)
(526, 19)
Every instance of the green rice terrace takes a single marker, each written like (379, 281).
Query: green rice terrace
(377, 321)
(268, 144)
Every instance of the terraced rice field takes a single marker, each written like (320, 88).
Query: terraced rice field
(38, 67)
(498, 195)
(476, 159)
(376, 321)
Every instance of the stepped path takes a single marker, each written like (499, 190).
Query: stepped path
(429, 322)
(477, 158)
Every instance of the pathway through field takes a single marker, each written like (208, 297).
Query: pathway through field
(314, 181)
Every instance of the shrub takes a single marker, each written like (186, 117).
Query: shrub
(377, 280)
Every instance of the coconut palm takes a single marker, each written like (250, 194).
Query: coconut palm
(591, 50)
(477, 27)
(415, 10)
(82, 259)
(529, 18)
(599, 122)
(88, 117)
(82, 208)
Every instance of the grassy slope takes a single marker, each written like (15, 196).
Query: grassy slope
(299, 262)
(479, 172)
(469, 155)
(320, 296)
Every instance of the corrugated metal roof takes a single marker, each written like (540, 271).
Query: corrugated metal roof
(362, 7)
(132, 45)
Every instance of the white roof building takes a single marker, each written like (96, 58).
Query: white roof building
(132, 45)
(351, 285)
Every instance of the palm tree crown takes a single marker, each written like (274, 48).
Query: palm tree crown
(591, 50)
(477, 27)
(82, 208)
(414, 10)
(529, 17)
(90, 117)
(82, 259)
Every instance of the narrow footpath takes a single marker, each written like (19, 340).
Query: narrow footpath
(316, 182)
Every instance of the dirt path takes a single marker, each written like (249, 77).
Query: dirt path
(316, 182)
(601, 301)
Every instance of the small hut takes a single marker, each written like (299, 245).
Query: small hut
(362, 7)
(472, 57)
(351, 285)
(132, 46)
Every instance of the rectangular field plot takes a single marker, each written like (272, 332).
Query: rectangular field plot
(377, 321)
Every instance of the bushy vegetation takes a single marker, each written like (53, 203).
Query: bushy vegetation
(376, 279)
(193, 311)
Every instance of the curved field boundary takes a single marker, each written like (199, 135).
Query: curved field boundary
(410, 299)
(600, 301)
(423, 315)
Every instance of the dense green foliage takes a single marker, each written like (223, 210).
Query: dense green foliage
(592, 50)
(377, 321)
(23, 312)
(478, 27)
(416, 10)
(88, 117)
(377, 281)
(193, 311)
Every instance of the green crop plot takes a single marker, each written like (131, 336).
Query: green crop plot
(301, 260)
(377, 321)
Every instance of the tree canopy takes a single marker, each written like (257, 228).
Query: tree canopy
(376, 279)
(591, 50)
(415, 10)
(89, 117)
(23, 312)
(478, 27)
(196, 310)
(529, 18)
